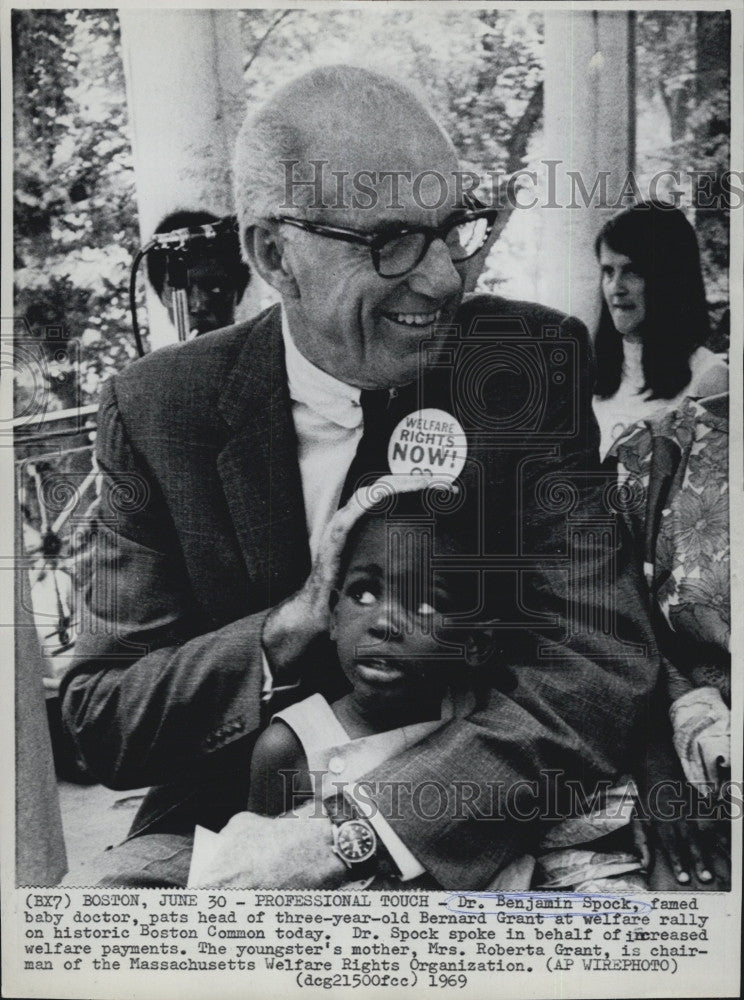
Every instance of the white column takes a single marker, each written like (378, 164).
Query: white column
(185, 95)
(41, 858)
(590, 130)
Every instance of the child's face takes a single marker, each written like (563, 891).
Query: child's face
(389, 615)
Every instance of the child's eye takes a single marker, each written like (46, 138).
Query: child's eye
(362, 595)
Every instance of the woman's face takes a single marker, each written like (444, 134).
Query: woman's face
(624, 291)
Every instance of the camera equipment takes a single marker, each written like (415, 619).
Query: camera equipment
(178, 246)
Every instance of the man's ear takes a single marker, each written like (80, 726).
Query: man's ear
(333, 619)
(267, 253)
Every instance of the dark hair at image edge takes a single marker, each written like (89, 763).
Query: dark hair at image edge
(661, 244)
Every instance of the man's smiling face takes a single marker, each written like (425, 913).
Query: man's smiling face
(365, 329)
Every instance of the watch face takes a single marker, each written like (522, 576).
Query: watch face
(356, 841)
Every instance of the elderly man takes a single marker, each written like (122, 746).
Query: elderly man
(225, 460)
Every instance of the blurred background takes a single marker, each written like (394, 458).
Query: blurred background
(75, 193)
(123, 117)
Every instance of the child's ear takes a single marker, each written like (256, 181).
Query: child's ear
(333, 604)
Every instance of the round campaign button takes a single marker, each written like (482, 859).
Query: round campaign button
(428, 442)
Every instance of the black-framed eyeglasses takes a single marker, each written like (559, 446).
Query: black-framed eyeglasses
(397, 251)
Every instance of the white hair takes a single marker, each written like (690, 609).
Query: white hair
(274, 133)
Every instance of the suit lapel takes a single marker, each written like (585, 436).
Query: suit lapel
(258, 465)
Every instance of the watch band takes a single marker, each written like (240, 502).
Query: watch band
(339, 809)
(348, 824)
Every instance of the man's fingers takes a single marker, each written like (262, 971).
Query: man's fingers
(673, 848)
(693, 839)
(391, 485)
(640, 840)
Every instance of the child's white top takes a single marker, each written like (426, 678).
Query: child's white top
(338, 758)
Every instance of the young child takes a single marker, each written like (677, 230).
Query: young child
(388, 624)
(407, 680)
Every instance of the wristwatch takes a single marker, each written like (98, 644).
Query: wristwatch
(354, 839)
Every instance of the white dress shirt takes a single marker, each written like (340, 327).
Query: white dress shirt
(328, 422)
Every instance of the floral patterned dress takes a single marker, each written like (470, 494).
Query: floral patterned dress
(680, 459)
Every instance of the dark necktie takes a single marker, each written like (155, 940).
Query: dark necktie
(370, 461)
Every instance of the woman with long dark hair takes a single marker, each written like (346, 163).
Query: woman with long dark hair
(662, 410)
(654, 320)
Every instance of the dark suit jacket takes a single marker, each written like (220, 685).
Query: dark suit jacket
(202, 529)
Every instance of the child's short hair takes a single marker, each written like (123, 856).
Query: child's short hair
(430, 507)
(454, 532)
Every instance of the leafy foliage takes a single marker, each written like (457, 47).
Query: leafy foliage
(682, 61)
(477, 70)
(481, 71)
(74, 207)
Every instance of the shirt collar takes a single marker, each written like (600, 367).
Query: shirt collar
(322, 393)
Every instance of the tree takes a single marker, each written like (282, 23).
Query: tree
(666, 63)
(683, 59)
(478, 70)
(710, 123)
(74, 206)
(75, 213)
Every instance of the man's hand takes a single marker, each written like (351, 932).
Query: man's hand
(292, 625)
(293, 851)
(701, 725)
(693, 850)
